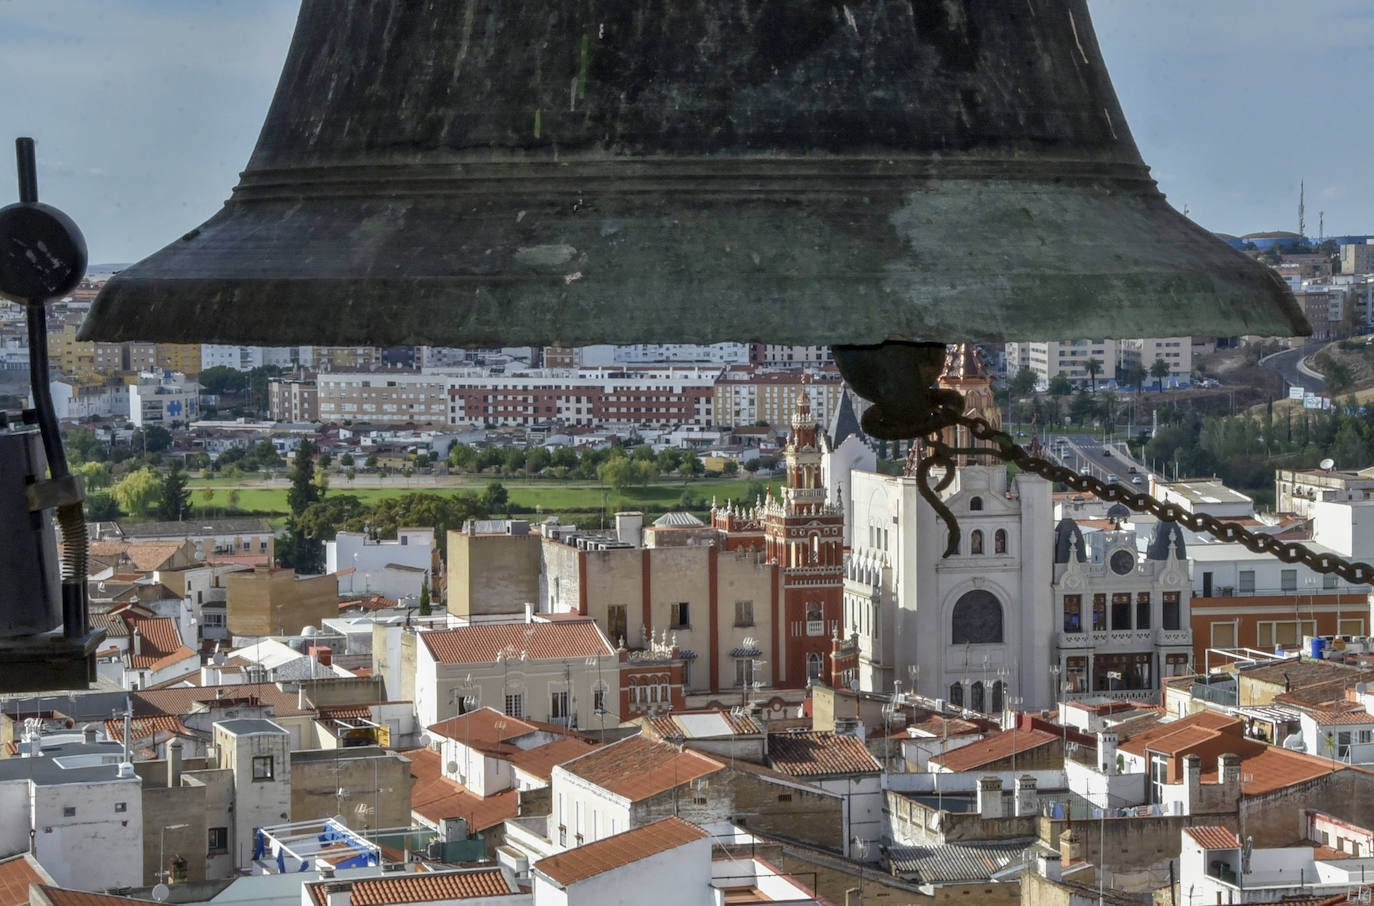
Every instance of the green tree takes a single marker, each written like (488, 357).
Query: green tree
(138, 492)
(425, 609)
(691, 464)
(731, 468)
(563, 458)
(96, 475)
(496, 499)
(82, 445)
(101, 506)
(371, 462)
(174, 501)
(668, 459)
(338, 512)
(1060, 386)
(618, 472)
(346, 461)
(1094, 368)
(221, 379)
(152, 439)
(1159, 371)
(1023, 383)
(303, 490)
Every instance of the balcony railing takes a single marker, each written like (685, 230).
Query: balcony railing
(815, 627)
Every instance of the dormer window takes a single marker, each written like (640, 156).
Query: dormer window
(975, 504)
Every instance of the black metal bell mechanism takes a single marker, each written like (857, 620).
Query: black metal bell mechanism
(602, 171)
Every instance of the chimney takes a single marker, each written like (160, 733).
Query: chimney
(854, 896)
(1070, 847)
(1047, 866)
(136, 640)
(989, 797)
(301, 703)
(88, 734)
(1192, 783)
(322, 653)
(1106, 750)
(1027, 799)
(529, 612)
(1228, 772)
(174, 763)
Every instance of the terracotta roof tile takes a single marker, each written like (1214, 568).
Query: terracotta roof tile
(181, 700)
(159, 639)
(427, 887)
(1329, 718)
(145, 556)
(485, 727)
(481, 644)
(434, 797)
(1212, 837)
(16, 875)
(144, 727)
(819, 754)
(539, 762)
(639, 767)
(993, 748)
(1208, 720)
(1273, 768)
(593, 859)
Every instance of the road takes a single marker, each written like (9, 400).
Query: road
(1286, 365)
(1090, 456)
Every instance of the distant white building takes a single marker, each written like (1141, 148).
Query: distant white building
(393, 569)
(162, 397)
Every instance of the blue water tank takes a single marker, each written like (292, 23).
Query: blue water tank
(1318, 645)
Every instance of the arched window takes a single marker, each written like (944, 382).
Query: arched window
(975, 503)
(976, 700)
(815, 547)
(999, 541)
(975, 542)
(956, 694)
(977, 619)
(813, 666)
(998, 689)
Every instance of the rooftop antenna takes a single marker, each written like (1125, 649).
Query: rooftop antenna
(1302, 222)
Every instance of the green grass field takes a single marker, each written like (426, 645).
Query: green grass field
(551, 497)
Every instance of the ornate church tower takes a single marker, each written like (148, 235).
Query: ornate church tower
(805, 537)
(965, 371)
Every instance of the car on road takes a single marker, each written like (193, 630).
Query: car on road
(1137, 480)
(1112, 479)
(1106, 451)
(1085, 470)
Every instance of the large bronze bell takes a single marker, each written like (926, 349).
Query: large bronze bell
(475, 174)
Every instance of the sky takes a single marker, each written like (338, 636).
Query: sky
(145, 111)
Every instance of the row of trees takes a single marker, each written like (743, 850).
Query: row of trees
(621, 465)
(1244, 450)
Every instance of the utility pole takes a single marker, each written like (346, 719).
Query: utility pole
(1302, 222)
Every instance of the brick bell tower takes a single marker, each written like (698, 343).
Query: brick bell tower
(804, 537)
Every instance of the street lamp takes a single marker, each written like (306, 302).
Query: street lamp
(162, 849)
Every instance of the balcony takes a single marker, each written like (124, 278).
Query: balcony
(815, 627)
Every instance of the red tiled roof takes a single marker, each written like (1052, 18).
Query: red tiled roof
(144, 727)
(1208, 720)
(426, 887)
(16, 874)
(61, 896)
(185, 700)
(818, 754)
(434, 797)
(584, 862)
(481, 644)
(159, 640)
(485, 727)
(1213, 837)
(993, 748)
(145, 556)
(539, 762)
(1274, 767)
(639, 767)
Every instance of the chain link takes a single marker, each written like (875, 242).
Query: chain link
(1354, 572)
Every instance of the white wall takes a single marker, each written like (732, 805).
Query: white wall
(677, 877)
(582, 807)
(14, 800)
(97, 847)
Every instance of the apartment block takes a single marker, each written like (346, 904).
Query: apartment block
(293, 399)
(380, 397)
(163, 397)
(1357, 258)
(1066, 357)
(747, 395)
(589, 396)
(1176, 351)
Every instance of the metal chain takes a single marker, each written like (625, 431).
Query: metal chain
(1007, 449)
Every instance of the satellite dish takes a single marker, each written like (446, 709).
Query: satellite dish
(854, 685)
(451, 767)
(1327, 464)
(160, 892)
